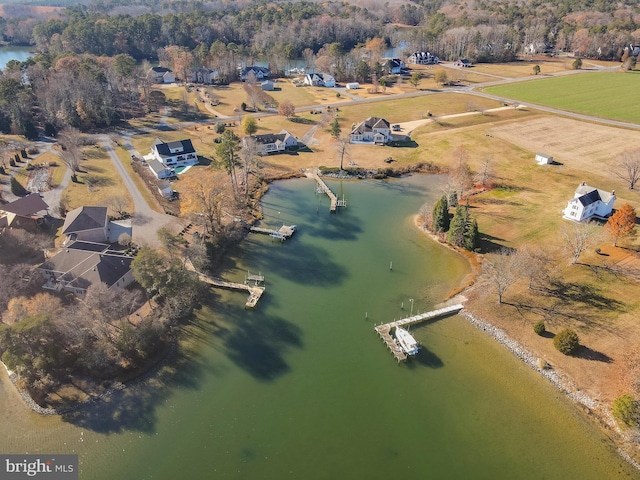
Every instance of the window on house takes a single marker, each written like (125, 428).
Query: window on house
(573, 214)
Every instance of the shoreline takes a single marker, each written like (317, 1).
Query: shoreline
(595, 409)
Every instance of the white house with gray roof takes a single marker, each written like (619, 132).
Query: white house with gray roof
(173, 154)
(589, 202)
(273, 142)
(373, 130)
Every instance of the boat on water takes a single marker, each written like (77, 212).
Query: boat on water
(406, 341)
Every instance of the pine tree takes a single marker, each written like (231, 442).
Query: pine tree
(335, 129)
(441, 215)
(471, 236)
(458, 226)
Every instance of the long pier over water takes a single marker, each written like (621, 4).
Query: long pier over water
(332, 196)
(385, 330)
(255, 291)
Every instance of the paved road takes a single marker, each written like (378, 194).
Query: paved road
(146, 222)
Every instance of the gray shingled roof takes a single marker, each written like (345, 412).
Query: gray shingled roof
(84, 218)
(164, 149)
(369, 124)
(26, 206)
(82, 268)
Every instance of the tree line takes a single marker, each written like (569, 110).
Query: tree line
(487, 31)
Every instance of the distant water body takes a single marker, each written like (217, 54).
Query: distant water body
(303, 388)
(13, 53)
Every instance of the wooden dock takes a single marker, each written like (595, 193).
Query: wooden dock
(332, 196)
(283, 233)
(384, 331)
(255, 291)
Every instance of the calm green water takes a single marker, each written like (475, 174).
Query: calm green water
(302, 388)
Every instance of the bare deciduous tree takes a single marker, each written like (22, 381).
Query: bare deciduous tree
(486, 172)
(71, 139)
(342, 149)
(503, 269)
(249, 154)
(628, 168)
(118, 204)
(578, 238)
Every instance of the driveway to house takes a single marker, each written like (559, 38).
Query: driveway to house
(146, 222)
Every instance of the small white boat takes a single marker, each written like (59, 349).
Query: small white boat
(406, 341)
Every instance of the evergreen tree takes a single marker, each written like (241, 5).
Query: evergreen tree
(458, 226)
(471, 236)
(441, 215)
(335, 129)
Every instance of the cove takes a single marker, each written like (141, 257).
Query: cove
(303, 388)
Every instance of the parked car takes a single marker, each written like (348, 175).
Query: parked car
(395, 127)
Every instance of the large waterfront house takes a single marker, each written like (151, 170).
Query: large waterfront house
(373, 130)
(589, 202)
(423, 58)
(173, 154)
(320, 80)
(82, 264)
(259, 73)
(89, 224)
(26, 212)
(203, 75)
(161, 75)
(273, 143)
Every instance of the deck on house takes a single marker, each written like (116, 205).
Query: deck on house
(384, 330)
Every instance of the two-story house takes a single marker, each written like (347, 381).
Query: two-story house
(589, 202)
(372, 130)
(173, 154)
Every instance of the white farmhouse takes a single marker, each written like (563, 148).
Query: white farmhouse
(173, 154)
(589, 202)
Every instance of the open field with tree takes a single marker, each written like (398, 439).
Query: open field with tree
(598, 94)
(97, 181)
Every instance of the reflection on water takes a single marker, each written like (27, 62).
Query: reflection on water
(303, 388)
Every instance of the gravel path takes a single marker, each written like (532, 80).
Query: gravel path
(145, 222)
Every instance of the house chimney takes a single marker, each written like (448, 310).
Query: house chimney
(613, 192)
(583, 184)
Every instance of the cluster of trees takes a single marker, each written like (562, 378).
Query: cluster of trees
(461, 230)
(81, 91)
(47, 342)
(485, 31)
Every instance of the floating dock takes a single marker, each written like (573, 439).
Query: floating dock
(283, 233)
(322, 187)
(255, 291)
(384, 331)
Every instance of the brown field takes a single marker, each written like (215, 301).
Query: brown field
(30, 10)
(97, 182)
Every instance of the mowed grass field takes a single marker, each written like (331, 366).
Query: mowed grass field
(612, 95)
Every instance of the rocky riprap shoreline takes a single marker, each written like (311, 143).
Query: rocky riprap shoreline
(559, 381)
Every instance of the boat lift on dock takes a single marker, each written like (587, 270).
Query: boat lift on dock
(255, 291)
(384, 331)
(323, 188)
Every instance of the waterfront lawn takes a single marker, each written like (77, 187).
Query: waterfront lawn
(98, 181)
(610, 95)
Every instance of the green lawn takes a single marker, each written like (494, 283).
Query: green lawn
(612, 95)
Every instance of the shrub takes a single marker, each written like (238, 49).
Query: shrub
(16, 188)
(626, 410)
(567, 341)
(539, 328)
(220, 127)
